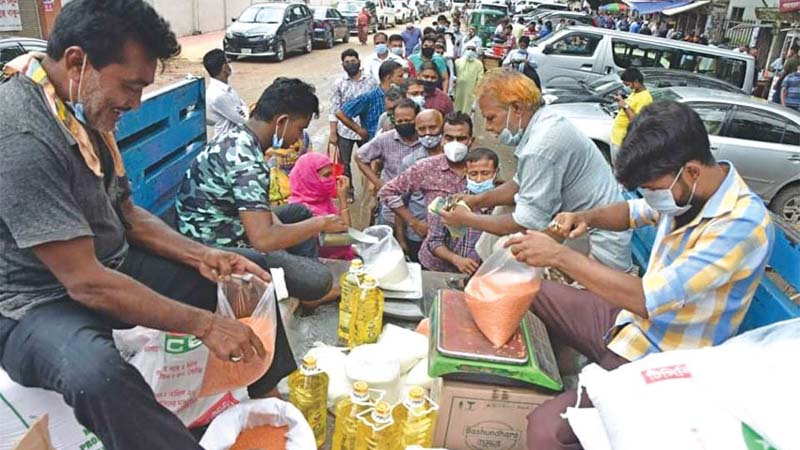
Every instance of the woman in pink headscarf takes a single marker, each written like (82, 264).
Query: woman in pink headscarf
(312, 183)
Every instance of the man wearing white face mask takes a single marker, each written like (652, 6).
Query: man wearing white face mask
(559, 169)
(713, 242)
(438, 169)
(470, 72)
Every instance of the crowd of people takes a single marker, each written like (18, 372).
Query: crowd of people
(80, 258)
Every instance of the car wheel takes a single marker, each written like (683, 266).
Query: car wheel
(787, 204)
(309, 44)
(280, 52)
(330, 42)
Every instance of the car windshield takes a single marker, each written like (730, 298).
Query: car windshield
(261, 14)
(665, 94)
(350, 7)
(480, 19)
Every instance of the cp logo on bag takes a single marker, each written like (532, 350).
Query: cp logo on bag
(180, 343)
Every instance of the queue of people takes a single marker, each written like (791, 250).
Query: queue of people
(80, 258)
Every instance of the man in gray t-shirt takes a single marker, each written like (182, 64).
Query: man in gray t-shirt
(559, 169)
(77, 257)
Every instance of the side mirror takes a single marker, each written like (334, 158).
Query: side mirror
(233, 19)
(548, 49)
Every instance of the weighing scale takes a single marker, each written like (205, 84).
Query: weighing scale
(460, 351)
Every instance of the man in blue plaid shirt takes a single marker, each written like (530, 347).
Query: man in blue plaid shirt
(369, 106)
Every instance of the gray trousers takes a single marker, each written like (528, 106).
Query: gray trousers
(580, 320)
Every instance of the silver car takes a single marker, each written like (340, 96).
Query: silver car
(761, 139)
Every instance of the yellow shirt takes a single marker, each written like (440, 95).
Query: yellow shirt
(637, 101)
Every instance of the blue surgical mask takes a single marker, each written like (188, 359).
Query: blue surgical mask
(475, 187)
(662, 200)
(397, 51)
(382, 49)
(77, 105)
(506, 137)
(471, 54)
(277, 142)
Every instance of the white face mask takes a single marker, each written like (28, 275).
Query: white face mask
(419, 100)
(455, 151)
(662, 200)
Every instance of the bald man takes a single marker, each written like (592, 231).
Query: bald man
(428, 173)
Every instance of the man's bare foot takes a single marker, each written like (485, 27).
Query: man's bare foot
(308, 307)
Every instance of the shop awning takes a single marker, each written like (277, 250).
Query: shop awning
(654, 7)
(684, 8)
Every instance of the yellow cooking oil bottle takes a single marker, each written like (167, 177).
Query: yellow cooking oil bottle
(415, 417)
(367, 313)
(347, 411)
(348, 283)
(308, 391)
(377, 430)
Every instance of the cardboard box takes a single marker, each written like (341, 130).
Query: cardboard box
(483, 416)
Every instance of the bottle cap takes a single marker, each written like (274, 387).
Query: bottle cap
(310, 361)
(382, 408)
(360, 387)
(416, 394)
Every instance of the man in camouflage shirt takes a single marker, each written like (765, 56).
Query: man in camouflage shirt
(224, 198)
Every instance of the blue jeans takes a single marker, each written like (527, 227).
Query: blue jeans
(68, 348)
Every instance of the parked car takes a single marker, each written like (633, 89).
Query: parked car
(270, 29)
(493, 5)
(661, 78)
(329, 25)
(425, 8)
(350, 9)
(588, 53)
(402, 13)
(554, 17)
(11, 47)
(762, 139)
(386, 13)
(603, 89)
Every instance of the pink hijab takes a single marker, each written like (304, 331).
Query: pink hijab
(308, 188)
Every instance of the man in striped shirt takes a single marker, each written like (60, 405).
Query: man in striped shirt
(714, 237)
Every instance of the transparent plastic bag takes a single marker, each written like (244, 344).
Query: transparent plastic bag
(384, 260)
(499, 293)
(251, 301)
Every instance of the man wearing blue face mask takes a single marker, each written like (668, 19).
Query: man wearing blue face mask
(713, 242)
(559, 169)
(446, 252)
(224, 197)
(373, 62)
